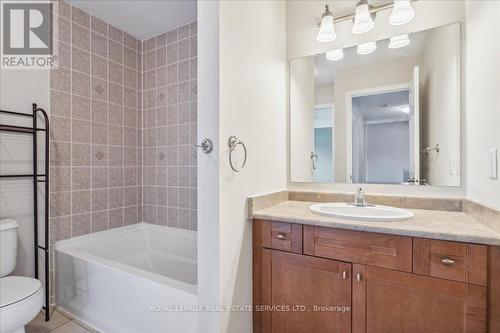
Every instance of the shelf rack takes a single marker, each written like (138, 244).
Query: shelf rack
(37, 178)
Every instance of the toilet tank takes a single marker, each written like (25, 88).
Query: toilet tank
(8, 246)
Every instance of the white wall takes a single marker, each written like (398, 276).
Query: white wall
(323, 93)
(302, 101)
(482, 98)
(252, 107)
(440, 100)
(208, 164)
(18, 90)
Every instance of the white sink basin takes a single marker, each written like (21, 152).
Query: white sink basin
(368, 213)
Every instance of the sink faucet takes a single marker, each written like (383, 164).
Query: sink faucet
(359, 198)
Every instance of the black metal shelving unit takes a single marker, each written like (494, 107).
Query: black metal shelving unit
(37, 178)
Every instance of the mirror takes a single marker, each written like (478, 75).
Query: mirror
(388, 117)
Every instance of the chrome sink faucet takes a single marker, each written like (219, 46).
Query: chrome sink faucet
(359, 198)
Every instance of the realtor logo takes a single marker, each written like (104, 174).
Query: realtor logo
(26, 34)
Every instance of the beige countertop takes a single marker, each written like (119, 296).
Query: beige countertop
(434, 224)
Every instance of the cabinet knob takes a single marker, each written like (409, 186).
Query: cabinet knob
(358, 277)
(447, 261)
(280, 236)
(344, 275)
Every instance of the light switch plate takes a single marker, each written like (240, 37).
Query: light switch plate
(492, 163)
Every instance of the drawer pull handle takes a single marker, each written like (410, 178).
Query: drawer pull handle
(280, 236)
(448, 261)
(344, 275)
(358, 277)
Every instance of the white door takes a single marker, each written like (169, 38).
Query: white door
(414, 126)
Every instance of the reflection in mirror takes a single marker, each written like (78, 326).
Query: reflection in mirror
(391, 116)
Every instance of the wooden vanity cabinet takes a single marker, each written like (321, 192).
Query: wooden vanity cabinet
(299, 287)
(390, 301)
(392, 284)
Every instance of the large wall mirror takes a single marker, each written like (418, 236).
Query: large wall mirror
(380, 113)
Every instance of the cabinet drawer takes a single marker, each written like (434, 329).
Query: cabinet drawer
(450, 260)
(282, 236)
(381, 250)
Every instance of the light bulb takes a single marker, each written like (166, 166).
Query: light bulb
(399, 41)
(402, 12)
(326, 30)
(363, 21)
(335, 55)
(367, 48)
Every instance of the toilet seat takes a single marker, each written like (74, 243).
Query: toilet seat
(14, 289)
(21, 299)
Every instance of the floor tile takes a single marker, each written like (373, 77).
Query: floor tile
(39, 325)
(70, 327)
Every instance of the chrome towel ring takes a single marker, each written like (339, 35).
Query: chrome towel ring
(233, 142)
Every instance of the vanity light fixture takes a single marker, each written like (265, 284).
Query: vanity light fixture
(326, 29)
(399, 41)
(363, 19)
(367, 48)
(335, 55)
(402, 12)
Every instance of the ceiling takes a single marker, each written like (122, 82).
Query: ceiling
(141, 19)
(324, 69)
(382, 107)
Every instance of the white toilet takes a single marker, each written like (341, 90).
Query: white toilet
(21, 298)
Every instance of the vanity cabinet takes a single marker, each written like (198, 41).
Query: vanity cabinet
(296, 284)
(390, 301)
(305, 276)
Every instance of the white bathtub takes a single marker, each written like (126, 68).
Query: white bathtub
(135, 279)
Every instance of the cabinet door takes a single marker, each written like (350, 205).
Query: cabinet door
(305, 294)
(386, 301)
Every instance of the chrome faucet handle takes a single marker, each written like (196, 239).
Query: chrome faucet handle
(359, 197)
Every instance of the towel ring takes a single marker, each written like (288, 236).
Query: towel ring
(233, 142)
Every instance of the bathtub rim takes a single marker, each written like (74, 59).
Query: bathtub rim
(69, 247)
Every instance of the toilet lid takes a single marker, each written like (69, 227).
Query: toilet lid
(16, 288)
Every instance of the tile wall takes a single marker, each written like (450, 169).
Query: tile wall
(169, 119)
(123, 123)
(96, 120)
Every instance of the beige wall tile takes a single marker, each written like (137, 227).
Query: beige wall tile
(80, 60)
(99, 221)
(60, 179)
(99, 111)
(99, 89)
(60, 228)
(115, 51)
(60, 103)
(60, 154)
(60, 79)
(60, 128)
(60, 204)
(80, 37)
(80, 224)
(80, 84)
(99, 199)
(115, 34)
(80, 202)
(99, 45)
(80, 17)
(80, 131)
(80, 178)
(115, 218)
(80, 108)
(99, 177)
(98, 26)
